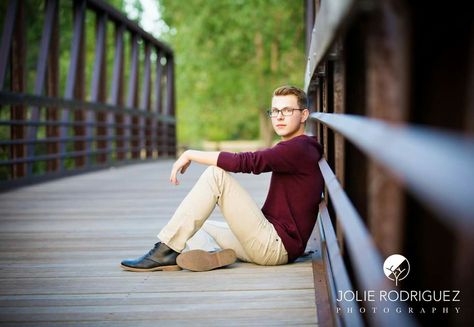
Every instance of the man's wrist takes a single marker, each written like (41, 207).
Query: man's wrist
(187, 154)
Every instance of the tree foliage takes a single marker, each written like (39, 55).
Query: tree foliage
(230, 55)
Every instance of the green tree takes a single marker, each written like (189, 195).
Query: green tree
(230, 55)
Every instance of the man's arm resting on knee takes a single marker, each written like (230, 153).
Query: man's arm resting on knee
(203, 157)
(183, 162)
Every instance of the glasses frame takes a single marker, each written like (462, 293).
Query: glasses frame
(270, 112)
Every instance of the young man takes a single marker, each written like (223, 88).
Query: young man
(274, 235)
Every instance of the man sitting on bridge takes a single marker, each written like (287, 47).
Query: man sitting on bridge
(274, 235)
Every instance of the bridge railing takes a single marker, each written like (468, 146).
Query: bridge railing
(397, 127)
(115, 104)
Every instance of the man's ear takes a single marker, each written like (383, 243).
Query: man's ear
(305, 115)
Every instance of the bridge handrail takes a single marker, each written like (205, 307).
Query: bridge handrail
(401, 148)
(402, 161)
(108, 127)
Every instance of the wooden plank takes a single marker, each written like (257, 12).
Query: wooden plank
(448, 194)
(332, 16)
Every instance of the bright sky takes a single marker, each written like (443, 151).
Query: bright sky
(151, 20)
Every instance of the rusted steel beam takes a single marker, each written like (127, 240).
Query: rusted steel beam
(117, 88)
(7, 34)
(145, 102)
(79, 90)
(119, 17)
(79, 16)
(133, 79)
(116, 97)
(52, 90)
(387, 99)
(170, 86)
(75, 75)
(168, 130)
(41, 68)
(132, 100)
(145, 98)
(339, 107)
(99, 85)
(87, 116)
(18, 84)
(157, 125)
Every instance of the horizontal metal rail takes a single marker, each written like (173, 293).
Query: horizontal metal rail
(17, 99)
(331, 18)
(71, 154)
(367, 266)
(336, 271)
(445, 184)
(74, 139)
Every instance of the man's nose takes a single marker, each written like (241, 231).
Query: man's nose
(280, 115)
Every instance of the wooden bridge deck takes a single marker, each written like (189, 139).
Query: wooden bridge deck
(61, 243)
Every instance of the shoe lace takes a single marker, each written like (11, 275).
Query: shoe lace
(157, 245)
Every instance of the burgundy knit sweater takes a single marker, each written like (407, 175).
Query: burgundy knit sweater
(295, 187)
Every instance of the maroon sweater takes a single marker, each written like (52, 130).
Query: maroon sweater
(295, 187)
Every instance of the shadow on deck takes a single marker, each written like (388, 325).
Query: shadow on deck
(61, 243)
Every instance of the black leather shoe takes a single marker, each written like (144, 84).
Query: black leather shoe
(161, 257)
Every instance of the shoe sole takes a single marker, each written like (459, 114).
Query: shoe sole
(162, 268)
(200, 260)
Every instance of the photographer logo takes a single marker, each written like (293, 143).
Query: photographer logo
(396, 267)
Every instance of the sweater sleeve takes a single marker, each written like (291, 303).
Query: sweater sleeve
(282, 158)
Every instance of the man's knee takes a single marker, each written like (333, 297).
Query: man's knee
(213, 169)
(214, 172)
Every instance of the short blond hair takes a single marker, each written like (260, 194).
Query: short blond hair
(293, 90)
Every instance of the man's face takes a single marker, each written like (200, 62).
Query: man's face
(287, 126)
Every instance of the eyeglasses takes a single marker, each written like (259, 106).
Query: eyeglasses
(273, 112)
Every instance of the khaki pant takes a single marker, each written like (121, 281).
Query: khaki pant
(247, 232)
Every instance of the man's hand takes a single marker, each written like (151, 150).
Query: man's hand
(180, 165)
(183, 162)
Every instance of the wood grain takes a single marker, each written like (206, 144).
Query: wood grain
(61, 244)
